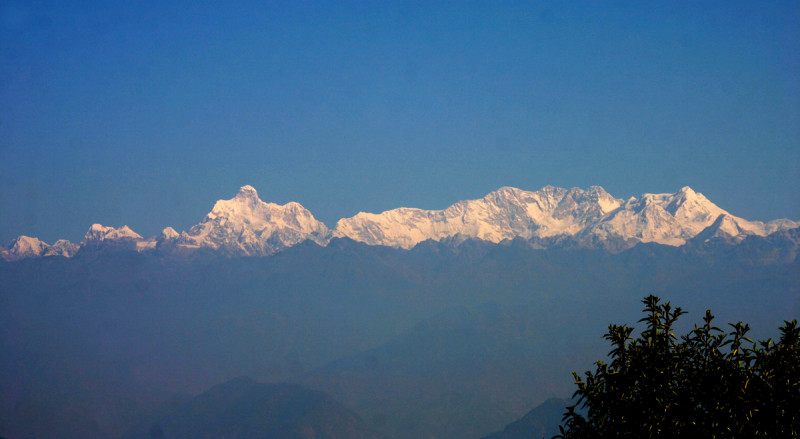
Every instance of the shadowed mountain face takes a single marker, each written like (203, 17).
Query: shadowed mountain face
(542, 421)
(463, 373)
(244, 409)
(478, 333)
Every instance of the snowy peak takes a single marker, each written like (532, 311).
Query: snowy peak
(98, 233)
(596, 195)
(25, 247)
(168, 233)
(248, 208)
(114, 238)
(62, 247)
(28, 245)
(247, 226)
(247, 193)
(668, 219)
(690, 207)
(725, 228)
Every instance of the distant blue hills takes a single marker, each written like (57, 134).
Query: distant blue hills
(449, 339)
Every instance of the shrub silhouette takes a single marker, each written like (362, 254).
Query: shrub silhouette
(708, 383)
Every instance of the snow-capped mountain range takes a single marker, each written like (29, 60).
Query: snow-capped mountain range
(551, 216)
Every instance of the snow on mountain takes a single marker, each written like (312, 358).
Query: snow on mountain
(507, 213)
(27, 247)
(731, 229)
(779, 225)
(168, 233)
(118, 238)
(247, 226)
(24, 247)
(551, 216)
(668, 219)
(62, 247)
(98, 233)
(590, 217)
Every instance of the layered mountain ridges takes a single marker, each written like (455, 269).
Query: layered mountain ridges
(247, 226)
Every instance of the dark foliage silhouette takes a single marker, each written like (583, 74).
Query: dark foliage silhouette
(707, 383)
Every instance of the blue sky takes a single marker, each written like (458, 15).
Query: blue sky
(145, 113)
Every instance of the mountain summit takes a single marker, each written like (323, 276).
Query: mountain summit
(247, 226)
(248, 192)
(549, 217)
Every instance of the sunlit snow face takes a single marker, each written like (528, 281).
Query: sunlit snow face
(247, 226)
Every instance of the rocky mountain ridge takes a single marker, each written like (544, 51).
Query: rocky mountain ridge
(247, 226)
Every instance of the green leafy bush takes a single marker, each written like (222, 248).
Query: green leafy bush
(707, 383)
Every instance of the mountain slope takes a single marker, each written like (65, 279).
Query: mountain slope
(542, 421)
(244, 409)
(91, 343)
(463, 373)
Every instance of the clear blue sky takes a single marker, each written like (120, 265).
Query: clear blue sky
(145, 113)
